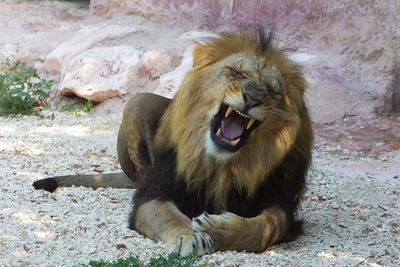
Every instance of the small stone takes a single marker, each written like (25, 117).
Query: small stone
(155, 62)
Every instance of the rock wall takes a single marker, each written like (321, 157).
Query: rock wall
(396, 70)
(351, 48)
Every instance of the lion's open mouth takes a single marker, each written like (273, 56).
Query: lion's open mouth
(231, 128)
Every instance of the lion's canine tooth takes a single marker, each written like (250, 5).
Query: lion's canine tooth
(219, 133)
(251, 121)
(235, 142)
(228, 111)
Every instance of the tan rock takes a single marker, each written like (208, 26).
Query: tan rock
(155, 62)
(101, 73)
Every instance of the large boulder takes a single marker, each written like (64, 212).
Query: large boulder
(87, 37)
(101, 73)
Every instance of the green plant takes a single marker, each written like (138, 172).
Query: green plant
(131, 261)
(69, 108)
(22, 91)
(82, 104)
(173, 260)
(170, 260)
(86, 106)
(160, 261)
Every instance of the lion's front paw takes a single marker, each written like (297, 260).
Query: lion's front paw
(184, 245)
(225, 229)
(209, 223)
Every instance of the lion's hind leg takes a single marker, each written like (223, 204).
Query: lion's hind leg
(140, 120)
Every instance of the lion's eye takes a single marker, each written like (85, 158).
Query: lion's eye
(235, 72)
(270, 90)
(275, 94)
(278, 96)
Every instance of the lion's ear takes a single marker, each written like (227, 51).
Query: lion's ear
(201, 55)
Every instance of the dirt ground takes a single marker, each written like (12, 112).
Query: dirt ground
(350, 209)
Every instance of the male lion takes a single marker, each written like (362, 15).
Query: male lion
(223, 164)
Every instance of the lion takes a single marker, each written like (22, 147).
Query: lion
(222, 165)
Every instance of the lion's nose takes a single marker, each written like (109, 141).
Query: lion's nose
(250, 101)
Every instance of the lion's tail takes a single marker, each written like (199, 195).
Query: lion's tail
(115, 180)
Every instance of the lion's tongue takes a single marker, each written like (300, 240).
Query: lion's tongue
(231, 128)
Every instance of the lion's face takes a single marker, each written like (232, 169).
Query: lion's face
(249, 94)
(237, 113)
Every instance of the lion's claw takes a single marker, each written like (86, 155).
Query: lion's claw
(184, 245)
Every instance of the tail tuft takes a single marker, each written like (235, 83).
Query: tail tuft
(48, 184)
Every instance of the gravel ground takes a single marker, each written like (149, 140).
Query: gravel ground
(350, 218)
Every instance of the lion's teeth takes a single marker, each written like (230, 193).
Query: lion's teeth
(219, 133)
(235, 142)
(228, 111)
(251, 122)
(240, 113)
